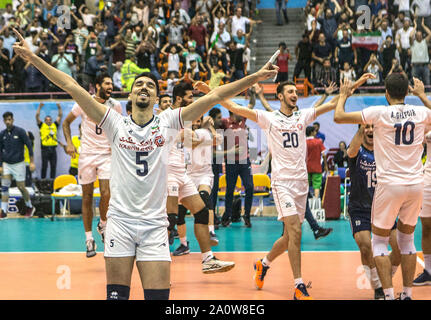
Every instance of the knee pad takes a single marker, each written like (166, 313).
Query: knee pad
(202, 217)
(380, 246)
(117, 292)
(172, 218)
(205, 196)
(406, 242)
(156, 294)
(181, 215)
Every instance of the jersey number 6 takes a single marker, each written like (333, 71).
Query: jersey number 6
(139, 172)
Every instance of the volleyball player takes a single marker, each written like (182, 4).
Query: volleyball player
(398, 136)
(362, 167)
(137, 222)
(94, 160)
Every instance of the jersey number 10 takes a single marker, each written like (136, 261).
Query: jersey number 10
(402, 135)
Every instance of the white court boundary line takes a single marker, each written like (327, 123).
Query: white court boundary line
(195, 252)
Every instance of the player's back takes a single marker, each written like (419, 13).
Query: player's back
(398, 137)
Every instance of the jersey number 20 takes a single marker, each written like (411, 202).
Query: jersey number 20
(139, 172)
(291, 140)
(401, 136)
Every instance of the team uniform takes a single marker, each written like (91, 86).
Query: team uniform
(426, 206)
(137, 219)
(95, 156)
(399, 191)
(287, 144)
(199, 169)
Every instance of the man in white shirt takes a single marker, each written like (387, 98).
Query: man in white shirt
(239, 22)
(220, 37)
(419, 54)
(398, 137)
(183, 16)
(403, 44)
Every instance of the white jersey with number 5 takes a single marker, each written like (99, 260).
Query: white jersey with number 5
(398, 137)
(287, 142)
(93, 138)
(139, 164)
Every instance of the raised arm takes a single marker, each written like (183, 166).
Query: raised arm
(259, 92)
(38, 121)
(91, 107)
(340, 115)
(227, 91)
(419, 91)
(60, 113)
(355, 144)
(70, 148)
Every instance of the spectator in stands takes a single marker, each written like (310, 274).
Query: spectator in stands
(385, 31)
(8, 39)
(192, 55)
(387, 50)
(4, 59)
(321, 51)
(327, 74)
(118, 48)
(199, 34)
(373, 66)
(240, 22)
(173, 57)
(62, 61)
(280, 6)
(419, 54)
(87, 17)
(8, 14)
(219, 16)
(423, 11)
(344, 52)
(175, 31)
(329, 22)
(283, 63)
(236, 60)
(217, 75)
(129, 71)
(93, 66)
(18, 72)
(341, 158)
(116, 77)
(172, 81)
(315, 152)
(303, 52)
(220, 38)
(71, 48)
(319, 134)
(184, 18)
(348, 72)
(48, 140)
(403, 44)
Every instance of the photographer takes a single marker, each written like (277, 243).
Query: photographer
(62, 61)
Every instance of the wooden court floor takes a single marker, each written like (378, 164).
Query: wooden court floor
(333, 275)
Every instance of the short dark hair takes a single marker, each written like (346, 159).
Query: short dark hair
(282, 44)
(397, 85)
(316, 123)
(180, 90)
(281, 86)
(7, 114)
(309, 130)
(148, 75)
(214, 112)
(164, 96)
(99, 79)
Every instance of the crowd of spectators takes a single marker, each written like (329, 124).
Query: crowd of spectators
(174, 39)
(338, 41)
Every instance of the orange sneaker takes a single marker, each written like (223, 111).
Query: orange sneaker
(301, 293)
(260, 273)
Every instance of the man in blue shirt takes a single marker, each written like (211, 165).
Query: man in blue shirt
(319, 134)
(12, 164)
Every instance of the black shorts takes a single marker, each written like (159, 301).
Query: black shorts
(361, 221)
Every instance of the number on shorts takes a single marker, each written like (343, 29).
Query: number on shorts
(139, 172)
(111, 243)
(408, 125)
(291, 140)
(98, 130)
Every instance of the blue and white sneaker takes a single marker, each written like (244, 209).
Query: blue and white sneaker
(424, 279)
(182, 250)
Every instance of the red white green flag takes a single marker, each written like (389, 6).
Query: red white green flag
(368, 40)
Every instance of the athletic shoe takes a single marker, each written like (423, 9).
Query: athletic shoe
(182, 250)
(215, 265)
(213, 239)
(91, 248)
(171, 237)
(424, 279)
(321, 233)
(379, 294)
(175, 233)
(247, 222)
(3, 215)
(29, 212)
(226, 223)
(301, 293)
(101, 230)
(260, 273)
(236, 220)
(403, 296)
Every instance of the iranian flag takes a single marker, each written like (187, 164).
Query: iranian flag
(368, 40)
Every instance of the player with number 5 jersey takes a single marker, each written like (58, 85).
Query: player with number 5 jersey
(94, 161)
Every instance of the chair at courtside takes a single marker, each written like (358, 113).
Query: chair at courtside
(262, 189)
(60, 182)
(222, 189)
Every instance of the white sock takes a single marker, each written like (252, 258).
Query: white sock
(298, 281)
(4, 206)
(427, 260)
(407, 291)
(266, 262)
(389, 293)
(394, 270)
(367, 273)
(28, 204)
(89, 235)
(211, 228)
(207, 255)
(184, 241)
(375, 281)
